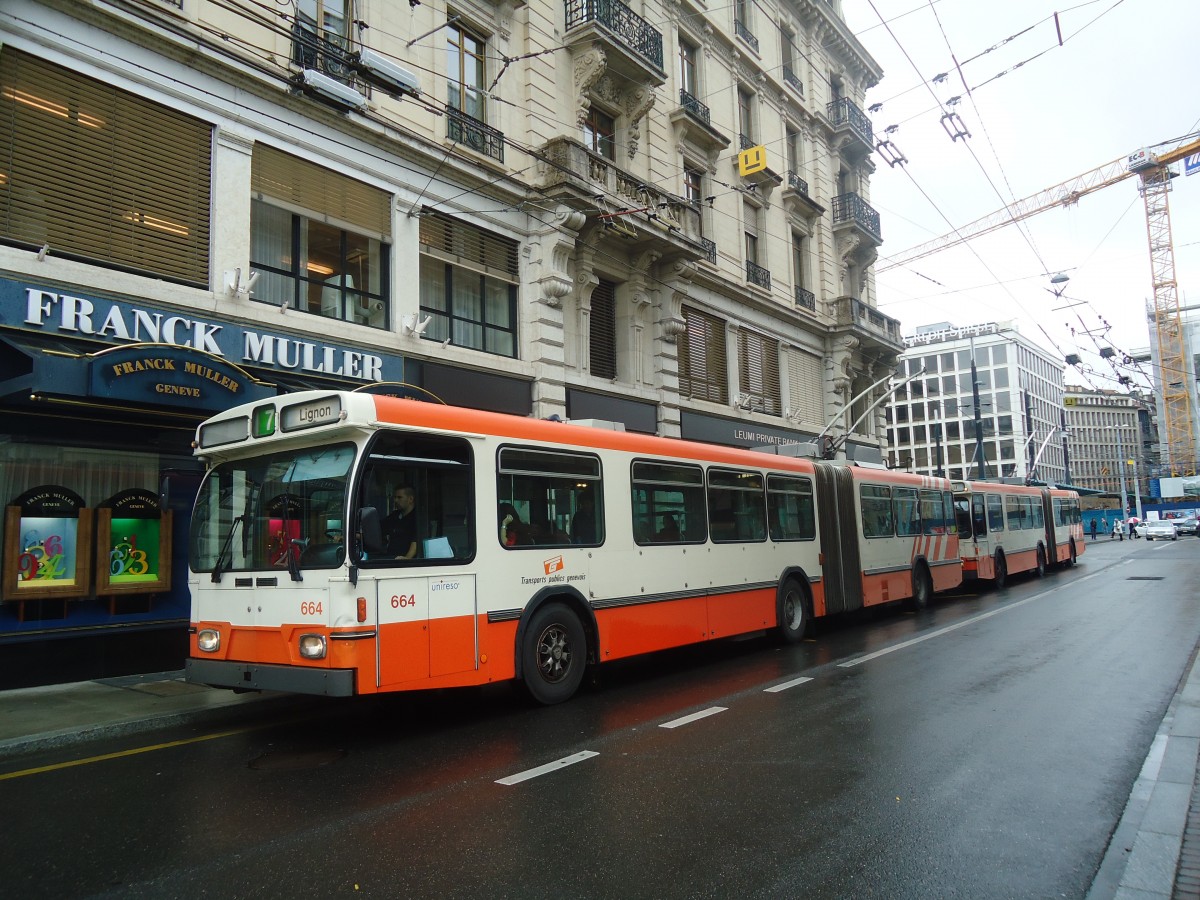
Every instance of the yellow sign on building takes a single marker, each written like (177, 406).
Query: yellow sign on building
(751, 160)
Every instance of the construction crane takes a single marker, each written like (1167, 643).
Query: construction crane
(1155, 176)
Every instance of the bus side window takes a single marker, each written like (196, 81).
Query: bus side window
(979, 516)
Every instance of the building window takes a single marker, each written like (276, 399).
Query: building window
(318, 239)
(321, 37)
(745, 118)
(100, 174)
(693, 193)
(758, 372)
(599, 133)
(469, 280)
(688, 80)
(702, 358)
(602, 331)
(465, 71)
(750, 228)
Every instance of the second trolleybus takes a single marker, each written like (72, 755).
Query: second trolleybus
(1005, 529)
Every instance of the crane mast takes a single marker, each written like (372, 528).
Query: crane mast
(1174, 382)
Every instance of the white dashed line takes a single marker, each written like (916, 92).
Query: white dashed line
(787, 684)
(547, 768)
(686, 720)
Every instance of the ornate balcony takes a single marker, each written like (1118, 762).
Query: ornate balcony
(632, 45)
(875, 330)
(740, 29)
(797, 199)
(693, 123)
(663, 222)
(710, 250)
(757, 275)
(852, 126)
(470, 132)
(849, 209)
(806, 299)
(745, 142)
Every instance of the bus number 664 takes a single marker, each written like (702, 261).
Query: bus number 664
(400, 601)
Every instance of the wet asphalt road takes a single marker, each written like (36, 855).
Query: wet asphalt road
(986, 751)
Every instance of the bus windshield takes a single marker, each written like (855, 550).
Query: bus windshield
(284, 510)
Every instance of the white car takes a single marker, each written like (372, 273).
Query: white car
(1163, 529)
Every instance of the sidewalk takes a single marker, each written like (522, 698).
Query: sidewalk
(57, 715)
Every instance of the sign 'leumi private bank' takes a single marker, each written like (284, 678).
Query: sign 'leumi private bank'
(52, 312)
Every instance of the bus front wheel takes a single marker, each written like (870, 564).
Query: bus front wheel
(554, 654)
(793, 612)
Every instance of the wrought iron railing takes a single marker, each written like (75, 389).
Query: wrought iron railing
(844, 112)
(793, 79)
(325, 54)
(807, 299)
(470, 132)
(796, 183)
(740, 29)
(694, 107)
(745, 142)
(756, 274)
(627, 26)
(710, 250)
(850, 207)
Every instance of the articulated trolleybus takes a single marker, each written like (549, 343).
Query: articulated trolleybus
(1005, 529)
(351, 543)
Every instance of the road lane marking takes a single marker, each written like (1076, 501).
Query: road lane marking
(957, 625)
(787, 684)
(122, 753)
(548, 767)
(687, 720)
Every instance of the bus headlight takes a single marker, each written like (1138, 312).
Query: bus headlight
(312, 646)
(209, 640)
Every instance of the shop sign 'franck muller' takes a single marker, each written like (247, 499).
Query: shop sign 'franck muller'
(112, 321)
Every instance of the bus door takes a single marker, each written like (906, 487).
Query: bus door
(427, 626)
(837, 518)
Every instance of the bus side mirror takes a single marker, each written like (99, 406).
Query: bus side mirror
(371, 531)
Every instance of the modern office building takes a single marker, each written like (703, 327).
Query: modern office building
(979, 402)
(533, 207)
(1111, 440)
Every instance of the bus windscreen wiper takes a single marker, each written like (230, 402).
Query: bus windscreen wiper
(221, 560)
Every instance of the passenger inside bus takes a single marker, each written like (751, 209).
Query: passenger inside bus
(400, 525)
(669, 533)
(583, 523)
(513, 532)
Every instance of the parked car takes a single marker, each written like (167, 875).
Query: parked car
(1161, 529)
(1185, 526)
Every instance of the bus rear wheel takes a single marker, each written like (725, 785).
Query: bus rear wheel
(1041, 562)
(922, 586)
(793, 612)
(553, 655)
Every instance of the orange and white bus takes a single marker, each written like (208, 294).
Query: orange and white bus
(540, 547)
(1005, 529)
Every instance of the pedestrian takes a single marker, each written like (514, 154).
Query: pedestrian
(1093, 528)
(1118, 530)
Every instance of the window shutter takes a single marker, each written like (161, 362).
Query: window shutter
(805, 386)
(702, 358)
(758, 370)
(468, 245)
(603, 331)
(306, 187)
(100, 173)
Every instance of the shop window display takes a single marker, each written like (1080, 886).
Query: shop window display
(89, 537)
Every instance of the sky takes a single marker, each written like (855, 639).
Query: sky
(1124, 78)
